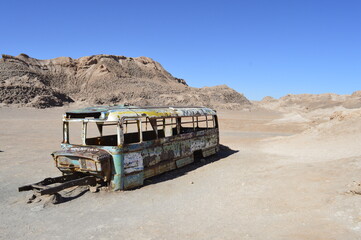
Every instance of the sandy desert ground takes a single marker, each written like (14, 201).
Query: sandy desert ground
(284, 176)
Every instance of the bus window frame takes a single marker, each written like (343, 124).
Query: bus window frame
(123, 123)
(84, 122)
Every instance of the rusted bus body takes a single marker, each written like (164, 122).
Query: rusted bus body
(146, 142)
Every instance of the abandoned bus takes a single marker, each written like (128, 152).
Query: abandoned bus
(123, 145)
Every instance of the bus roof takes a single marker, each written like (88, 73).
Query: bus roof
(114, 113)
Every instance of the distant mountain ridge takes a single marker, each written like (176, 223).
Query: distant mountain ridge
(311, 102)
(104, 79)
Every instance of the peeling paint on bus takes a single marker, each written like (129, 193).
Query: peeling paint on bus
(125, 165)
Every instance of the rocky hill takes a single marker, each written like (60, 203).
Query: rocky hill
(103, 79)
(311, 102)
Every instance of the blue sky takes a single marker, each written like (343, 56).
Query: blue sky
(258, 47)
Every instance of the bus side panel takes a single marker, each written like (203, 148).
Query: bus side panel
(148, 159)
(160, 168)
(209, 151)
(133, 170)
(151, 158)
(184, 161)
(161, 159)
(133, 180)
(203, 142)
(118, 174)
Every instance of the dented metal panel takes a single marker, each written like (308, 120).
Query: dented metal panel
(84, 159)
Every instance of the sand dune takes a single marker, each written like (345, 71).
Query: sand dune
(311, 102)
(339, 137)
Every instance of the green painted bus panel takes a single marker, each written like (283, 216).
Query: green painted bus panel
(184, 161)
(117, 182)
(134, 180)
